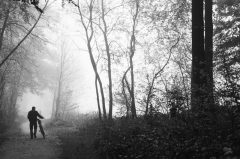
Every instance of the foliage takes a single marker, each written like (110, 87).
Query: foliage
(227, 57)
(77, 135)
(186, 136)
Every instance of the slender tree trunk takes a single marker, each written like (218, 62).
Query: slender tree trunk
(209, 52)
(184, 86)
(89, 37)
(98, 102)
(124, 92)
(149, 96)
(132, 93)
(98, 78)
(13, 101)
(58, 99)
(105, 32)
(132, 52)
(198, 71)
(14, 95)
(54, 104)
(156, 75)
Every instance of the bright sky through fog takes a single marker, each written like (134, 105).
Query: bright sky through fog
(65, 28)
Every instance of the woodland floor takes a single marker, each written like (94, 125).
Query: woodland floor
(60, 143)
(75, 143)
(20, 146)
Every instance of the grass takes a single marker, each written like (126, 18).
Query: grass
(77, 137)
(77, 145)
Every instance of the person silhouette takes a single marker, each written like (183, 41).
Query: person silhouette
(32, 117)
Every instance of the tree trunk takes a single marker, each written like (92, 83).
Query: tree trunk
(54, 104)
(149, 96)
(198, 71)
(58, 99)
(98, 78)
(132, 93)
(105, 32)
(132, 52)
(209, 52)
(89, 39)
(98, 102)
(124, 92)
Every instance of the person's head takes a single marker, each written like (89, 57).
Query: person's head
(33, 108)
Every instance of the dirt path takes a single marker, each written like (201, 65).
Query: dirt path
(20, 146)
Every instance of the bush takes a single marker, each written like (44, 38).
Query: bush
(189, 135)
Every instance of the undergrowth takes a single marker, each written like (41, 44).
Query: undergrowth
(77, 136)
(186, 136)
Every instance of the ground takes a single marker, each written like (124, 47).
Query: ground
(62, 142)
(76, 143)
(19, 146)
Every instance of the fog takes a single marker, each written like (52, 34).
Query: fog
(63, 28)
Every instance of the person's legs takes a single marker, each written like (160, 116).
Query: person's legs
(31, 129)
(35, 129)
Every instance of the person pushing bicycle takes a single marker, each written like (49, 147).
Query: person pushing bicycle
(32, 117)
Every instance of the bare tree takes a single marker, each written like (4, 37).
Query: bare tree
(65, 75)
(132, 52)
(87, 23)
(105, 35)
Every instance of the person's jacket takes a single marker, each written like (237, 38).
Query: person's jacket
(32, 116)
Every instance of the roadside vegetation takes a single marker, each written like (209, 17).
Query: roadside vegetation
(187, 135)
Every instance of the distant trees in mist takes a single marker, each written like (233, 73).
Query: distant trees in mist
(62, 88)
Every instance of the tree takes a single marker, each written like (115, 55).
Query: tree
(198, 58)
(88, 28)
(202, 57)
(209, 51)
(127, 99)
(62, 75)
(164, 22)
(105, 35)
(156, 75)
(131, 55)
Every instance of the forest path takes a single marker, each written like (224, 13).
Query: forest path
(20, 146)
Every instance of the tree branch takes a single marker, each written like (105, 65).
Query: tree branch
(24, 38)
